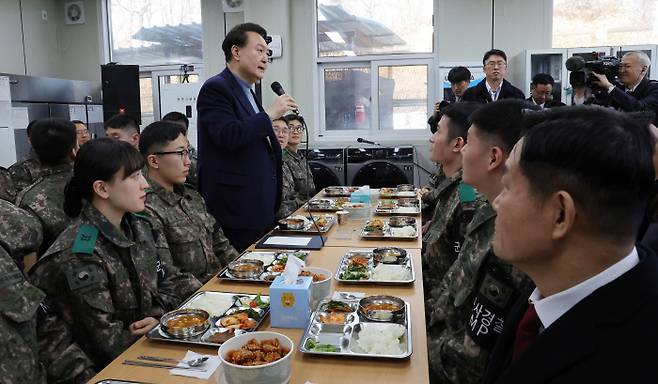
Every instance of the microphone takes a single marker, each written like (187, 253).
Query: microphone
(278, 89)
(575, 63)
(362, 140)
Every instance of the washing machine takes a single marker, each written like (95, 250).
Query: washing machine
(380, 166)
(327, 166)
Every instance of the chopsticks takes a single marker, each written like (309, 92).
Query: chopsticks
(155, 365)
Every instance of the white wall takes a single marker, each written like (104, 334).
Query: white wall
(79, 44)
(11, 38)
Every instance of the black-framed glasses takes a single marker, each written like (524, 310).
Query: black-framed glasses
(298, 128)
(182, 153)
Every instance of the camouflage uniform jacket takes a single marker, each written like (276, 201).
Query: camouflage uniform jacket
(100, 279)
(470, 304)
(304, 186)
(19, 304)
(191, 179)
(430, 197)
(443, 239)
(45, 200)
(20, 232)
(289, 201)
(25, 172)
(196, 242)
(7, 188)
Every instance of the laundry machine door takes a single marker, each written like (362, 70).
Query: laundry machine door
(380, 174)
(323, 176)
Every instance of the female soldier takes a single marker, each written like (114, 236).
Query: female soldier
(109, 275)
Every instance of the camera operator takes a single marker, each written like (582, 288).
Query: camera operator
(634, 91)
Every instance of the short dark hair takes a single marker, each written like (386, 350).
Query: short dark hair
(493, 52)
(122, 121)
(542, 78)
(28, 129)
(601, 157)
(79, 122)
(458, 114)
(500, 121)
(280, 119)
(292, 117)
(53, 139)
(98, 159)
(157, 135)
(178, 117)
(458, 74)
(238, 36)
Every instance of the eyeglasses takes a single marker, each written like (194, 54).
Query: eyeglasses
(182, 153)
(297, 128)
(496, 64)
(82, 132)
(285, 130)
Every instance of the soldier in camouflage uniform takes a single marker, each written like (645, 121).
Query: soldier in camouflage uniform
(301, 172)
(430, 194)
(26, 330)
(55, 142)
(20, 232)
(289, 201)
(196, 242)
(7, 188)
(454, 208)
(25, 172)
(470, 304)
(109, 277)
(181, 119)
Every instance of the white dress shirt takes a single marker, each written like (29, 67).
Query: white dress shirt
(494, 93)
(551, 308)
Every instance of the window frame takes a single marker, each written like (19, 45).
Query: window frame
(321, 134)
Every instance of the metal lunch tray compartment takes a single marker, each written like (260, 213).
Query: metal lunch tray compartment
(344, 336)
(394, 193)
(386, 234)
(323, 205)
(159, 334)
(267, 275)
(339, 191)
(310, 228)
(401, 263)
(399, 207)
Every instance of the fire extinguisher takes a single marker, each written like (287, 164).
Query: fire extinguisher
(359, 112)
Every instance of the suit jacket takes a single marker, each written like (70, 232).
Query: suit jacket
(609, 337)
(643, 98)
(549, 103)
(239, 168)
(480, 94)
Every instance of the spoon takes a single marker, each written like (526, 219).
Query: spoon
(199, 361)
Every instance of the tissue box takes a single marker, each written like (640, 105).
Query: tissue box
(290, 304)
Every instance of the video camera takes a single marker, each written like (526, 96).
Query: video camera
(582, 66)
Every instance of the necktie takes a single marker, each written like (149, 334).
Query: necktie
(494, 95)
(527, 331)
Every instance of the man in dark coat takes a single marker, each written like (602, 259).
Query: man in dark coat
(239, 172)
(494, 86)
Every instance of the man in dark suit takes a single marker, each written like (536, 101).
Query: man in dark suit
(541, 91)
(571, 227)
(494, 86)
(634, 91)
(239, 172)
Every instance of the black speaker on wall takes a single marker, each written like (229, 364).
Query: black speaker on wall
(121, 91)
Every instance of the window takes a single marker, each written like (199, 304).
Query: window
(155, 32)
(146, 99)
(374, 66)
(373, 27)
(589, 23)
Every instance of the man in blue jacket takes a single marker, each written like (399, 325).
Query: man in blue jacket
(239, 156)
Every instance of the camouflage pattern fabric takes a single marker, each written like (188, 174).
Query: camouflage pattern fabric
(7, 188)
(45, 200)
(304, 186)
(191, 179)
(100, 279)
(289, 200)
(196, 242)
(26, 172)
(429, 198)
(20, 232)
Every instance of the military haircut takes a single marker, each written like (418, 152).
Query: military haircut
(157, 135)
(179, 118)
(238, 36)
(601, 157)
(292, 117)
(98, 159)
(542, 78)
(52, 140)
(458, 114)
(500, 122)
(122, 121)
